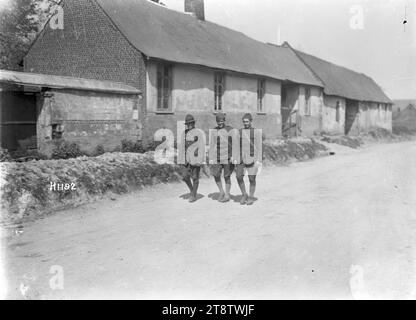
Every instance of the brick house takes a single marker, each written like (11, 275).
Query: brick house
(185, 64)
(182, 63)
(352, 102)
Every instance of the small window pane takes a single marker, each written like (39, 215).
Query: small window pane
(261, 83)
(338, 114)
(164, 86)
(218, 90)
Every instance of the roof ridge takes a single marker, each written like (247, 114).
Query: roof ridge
(205, 21)
(287, 45)
(362, 76)
(227, 39)
(175, 12)
(333, 63)
(186, 15)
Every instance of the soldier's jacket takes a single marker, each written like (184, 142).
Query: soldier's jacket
(224, 148)
(187, 145)
(252, 145)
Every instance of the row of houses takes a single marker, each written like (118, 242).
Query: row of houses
(174, 63)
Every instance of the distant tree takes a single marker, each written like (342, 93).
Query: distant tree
(20, 20)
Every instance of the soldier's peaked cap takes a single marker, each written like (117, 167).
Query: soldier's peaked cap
(189, 118)
(248, 116)
(220, 116)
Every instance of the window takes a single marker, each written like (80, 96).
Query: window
(219, 88)
(261, 90)
(164, 87)
(284, 96)
(308, 101)
(338, 113)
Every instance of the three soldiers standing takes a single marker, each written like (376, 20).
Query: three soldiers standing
(226, 162)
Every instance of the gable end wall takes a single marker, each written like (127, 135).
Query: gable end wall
(89, 46)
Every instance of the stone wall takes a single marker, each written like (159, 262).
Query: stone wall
(193, 92)
(375, 115)
(310, 110)
(88, 119)
(330, 125)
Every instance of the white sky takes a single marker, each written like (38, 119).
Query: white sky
(4, 4)
(382, 49)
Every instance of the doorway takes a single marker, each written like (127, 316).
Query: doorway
(18, 120)
(290, 114)
(352, 113)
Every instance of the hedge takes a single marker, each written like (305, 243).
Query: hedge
(25, 187)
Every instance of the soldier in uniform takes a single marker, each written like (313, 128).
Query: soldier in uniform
(250, 168)
(224, 163)
(190, 172)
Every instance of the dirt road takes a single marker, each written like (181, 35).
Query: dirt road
(337, 227)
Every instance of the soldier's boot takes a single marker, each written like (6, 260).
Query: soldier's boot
(244, 199)
(227, 197)
(189, 184)
(194, 193)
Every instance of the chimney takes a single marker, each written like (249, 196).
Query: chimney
(196, 7)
